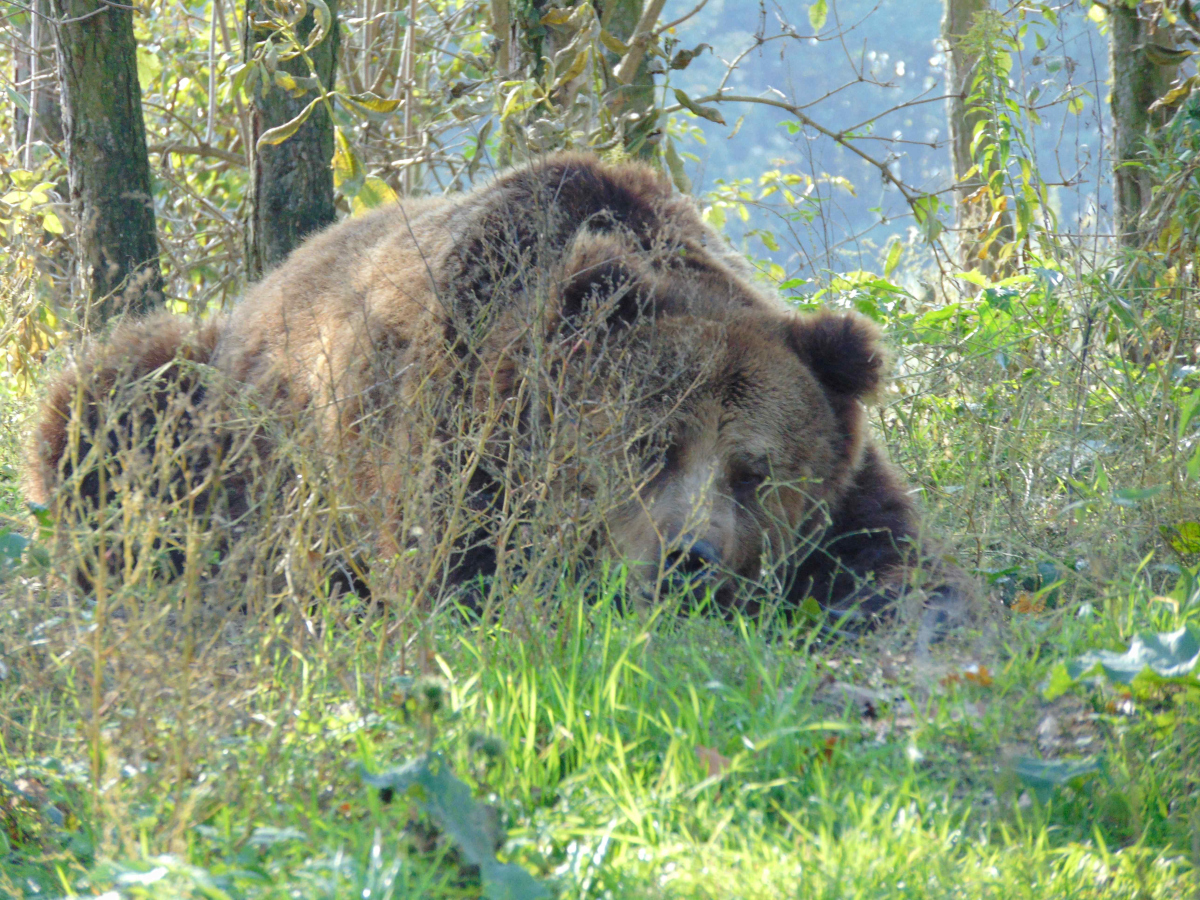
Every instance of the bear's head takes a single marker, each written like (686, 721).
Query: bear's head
(744, 420)
(762, 443)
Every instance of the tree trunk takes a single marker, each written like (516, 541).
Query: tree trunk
(970, 214)
(635, 99)
(1136, 84)
(117, 251)
(291, 183)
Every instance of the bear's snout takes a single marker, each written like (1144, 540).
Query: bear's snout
(694, 563)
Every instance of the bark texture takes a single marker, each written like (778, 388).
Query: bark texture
(117, 250)
(621, 18)
(291, 183)
(960, 73)
(1136, 84)
(971, 215)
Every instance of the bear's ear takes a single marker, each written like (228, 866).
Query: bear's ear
(844, 351)
(608, 291)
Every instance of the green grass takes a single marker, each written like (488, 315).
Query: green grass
(630, 757)
(660, 755)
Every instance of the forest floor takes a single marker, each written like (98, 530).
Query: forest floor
(606, 754)
(570, 750)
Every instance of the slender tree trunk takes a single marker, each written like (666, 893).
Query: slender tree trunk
(117, 250)
(621, 18)
(970, 213)
(291, 183)
(1136, 84)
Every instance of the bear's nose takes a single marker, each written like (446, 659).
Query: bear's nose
(695, 561)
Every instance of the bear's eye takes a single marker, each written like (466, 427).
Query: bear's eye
(746, 479)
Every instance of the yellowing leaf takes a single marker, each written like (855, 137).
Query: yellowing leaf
(613, 43)
(281, 133)
(375, 192)
(347, 170)
(712, 760)
(575, 69)
(375, 103)
(817, 14)
(556, 17)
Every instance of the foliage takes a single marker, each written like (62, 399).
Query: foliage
(1048, 410)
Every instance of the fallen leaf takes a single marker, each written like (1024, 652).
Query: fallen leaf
(717, 764)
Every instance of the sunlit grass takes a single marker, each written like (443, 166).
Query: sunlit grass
(649, 753)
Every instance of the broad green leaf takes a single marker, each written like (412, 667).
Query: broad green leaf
(1170, 656)
(1183, 538)
(12, 546)
(1059, 682)
(52, 223)
(715, 216)
(1187, 409)
(428, 781)
(925, 210)
(18, 99)
(817, 14)
(1133, 496)
(1042, 776)
(148, 69)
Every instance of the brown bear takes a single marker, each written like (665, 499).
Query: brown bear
(564, 357)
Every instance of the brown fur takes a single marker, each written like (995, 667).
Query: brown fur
(571, 332)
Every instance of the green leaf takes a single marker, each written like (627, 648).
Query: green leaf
(427, 780)
(12, 547)
(1042, 776)
(1170, 656)
(613, 43)
(817, 14)
(675, 167)
(893, 257)
(1134, 496)
(1059, 682)
(52, 223)
(18, 99)
(925, 210)
(1183, 538)
(1187, 410)
(704, 112)
(322, 19)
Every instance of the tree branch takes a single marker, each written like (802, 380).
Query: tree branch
(642, 36)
